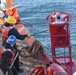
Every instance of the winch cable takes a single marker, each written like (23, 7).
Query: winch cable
(65, 48)
(61, 65)
(39, 32)
(29, 25)
(66, 28)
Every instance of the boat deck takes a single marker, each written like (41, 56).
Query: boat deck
(24, 73)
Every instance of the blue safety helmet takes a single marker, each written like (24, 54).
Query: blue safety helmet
(11, 39)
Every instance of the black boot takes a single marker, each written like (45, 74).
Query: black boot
(20, 63)
(20, 70)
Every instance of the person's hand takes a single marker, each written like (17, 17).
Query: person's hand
(28, 35)
(19, 51)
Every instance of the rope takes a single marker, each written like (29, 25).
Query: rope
(65, 45)
(31, 54)
(39, 32)
(33, 50)
(61, 65)
(65, 50)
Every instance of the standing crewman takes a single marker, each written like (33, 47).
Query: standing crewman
(7, 30)
(7, 55)
(3, 14)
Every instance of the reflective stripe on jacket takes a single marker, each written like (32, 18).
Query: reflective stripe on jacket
(4, 50)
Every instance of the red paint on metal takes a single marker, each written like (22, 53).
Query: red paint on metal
(44, 58)
(40, 70)
(60, 35)
(54, 69)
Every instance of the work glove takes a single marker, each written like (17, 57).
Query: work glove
(19, 51)
(28, 35)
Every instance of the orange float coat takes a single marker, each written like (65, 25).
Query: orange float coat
(5, 31)
(4, 50)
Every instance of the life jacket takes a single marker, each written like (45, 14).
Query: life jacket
(4, 50)
(5, 30)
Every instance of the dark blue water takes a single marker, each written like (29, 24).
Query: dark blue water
(35, 12)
